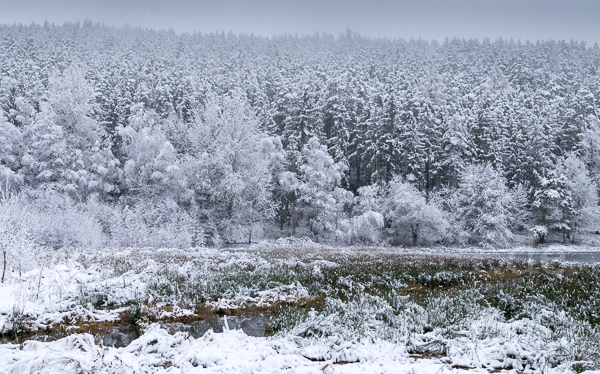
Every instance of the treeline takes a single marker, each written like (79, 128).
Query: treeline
(340, 138)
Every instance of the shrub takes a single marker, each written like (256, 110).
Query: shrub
(411, 218)
(17, 250)
(55, 220)
(363, 229)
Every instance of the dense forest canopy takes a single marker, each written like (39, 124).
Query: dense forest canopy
(460, 140)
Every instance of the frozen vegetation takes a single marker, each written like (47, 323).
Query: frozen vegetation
(116, 143)
(345, 310)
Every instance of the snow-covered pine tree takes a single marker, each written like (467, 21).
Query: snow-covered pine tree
(552, 205)
(484, 206)
(11, 143)
(67, 147)
(581, 211)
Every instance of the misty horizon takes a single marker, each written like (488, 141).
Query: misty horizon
(429, 20)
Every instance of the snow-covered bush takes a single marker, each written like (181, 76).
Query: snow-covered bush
(17, 250)
(149, 223)
(168, 225)
(411, 218)
(368, 199)
(292, 242)
(539, 233)
(10, 181)
(363, 229)
(55, 220)
(10, 144)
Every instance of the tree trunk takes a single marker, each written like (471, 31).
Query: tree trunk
(427, 182)
(4, 267)
(358, 181)
(415, 234)
(230, 209)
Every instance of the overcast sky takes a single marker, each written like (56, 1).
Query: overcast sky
(428, 19)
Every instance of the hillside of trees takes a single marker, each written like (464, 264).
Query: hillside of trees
(151, 138)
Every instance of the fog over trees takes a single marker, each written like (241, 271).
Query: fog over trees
(163, 139)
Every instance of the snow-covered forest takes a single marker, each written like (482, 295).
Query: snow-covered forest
(222, 203)
(127, 137)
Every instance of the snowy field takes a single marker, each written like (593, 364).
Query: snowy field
(325, 310)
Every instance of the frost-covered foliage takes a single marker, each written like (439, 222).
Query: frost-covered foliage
(366, 224)
(50, 219)
(566, 200)
(318, 188)
(411, 218)
(364, 228)
(368, 199)
(152, 168)
(17, 248)
(150, 223)
(552, 202)
(55, 220)
(484, 206)
(227, 126)
(233, 165)
(11, 143)
(574, 196)
(66, 144)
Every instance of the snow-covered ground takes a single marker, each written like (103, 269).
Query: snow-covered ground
(364, 334)
(229, 352)
(7, 301)
(232, 351)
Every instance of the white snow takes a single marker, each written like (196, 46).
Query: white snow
(7, 302)
(229, 352)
